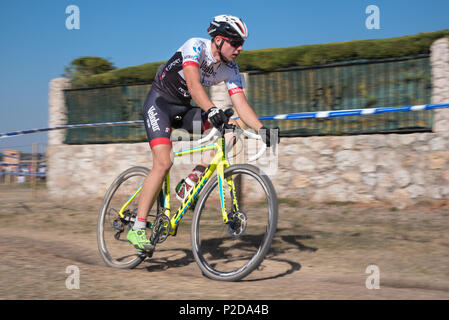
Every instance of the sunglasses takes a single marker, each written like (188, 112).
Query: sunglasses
(234, 42)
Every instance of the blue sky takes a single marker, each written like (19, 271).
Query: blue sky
(36, 45)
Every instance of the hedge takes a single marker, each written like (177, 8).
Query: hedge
(278, 58)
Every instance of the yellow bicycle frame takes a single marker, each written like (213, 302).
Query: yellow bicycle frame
(219, 163)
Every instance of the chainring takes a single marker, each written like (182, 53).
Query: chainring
(161, 229)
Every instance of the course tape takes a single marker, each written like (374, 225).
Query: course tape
(7, 164)
(22, 174)
(287, 116)
(352, 112)
(33, 156)
(70, 126)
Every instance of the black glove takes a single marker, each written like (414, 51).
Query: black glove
(216, 116)
(270, 136)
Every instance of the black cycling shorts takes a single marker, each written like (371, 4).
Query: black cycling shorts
(161, 113)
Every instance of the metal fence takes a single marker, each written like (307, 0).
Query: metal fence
(348, 85)
(352, 85)
(105, 104)
(27, 168)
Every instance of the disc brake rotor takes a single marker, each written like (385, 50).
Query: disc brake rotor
(237, 224)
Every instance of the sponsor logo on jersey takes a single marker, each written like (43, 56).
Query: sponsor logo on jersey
(184, 92)
(152, 121)
(208, 69)
(190, 57)
(171, 65)
(197, 50)
(234, 91)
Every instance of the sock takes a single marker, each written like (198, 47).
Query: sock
(140, 223)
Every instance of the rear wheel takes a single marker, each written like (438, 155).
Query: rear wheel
(229, 252)
(112, 230)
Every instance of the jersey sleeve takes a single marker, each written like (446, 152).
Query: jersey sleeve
(191, 52)
(236, 82)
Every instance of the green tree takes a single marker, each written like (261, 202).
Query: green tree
(84, 67)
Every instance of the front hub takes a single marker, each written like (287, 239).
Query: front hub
(237, 224)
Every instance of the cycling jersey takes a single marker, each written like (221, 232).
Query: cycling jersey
(169, 99)
(196, 52)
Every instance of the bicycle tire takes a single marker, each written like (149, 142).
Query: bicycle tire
(210, 269)
(108, 258)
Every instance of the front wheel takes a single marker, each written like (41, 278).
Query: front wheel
(229, 252)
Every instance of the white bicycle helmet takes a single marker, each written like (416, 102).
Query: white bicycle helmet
(228, 26)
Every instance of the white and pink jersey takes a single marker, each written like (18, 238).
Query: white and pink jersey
(197, 52)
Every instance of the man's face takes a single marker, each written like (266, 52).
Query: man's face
(231, 48)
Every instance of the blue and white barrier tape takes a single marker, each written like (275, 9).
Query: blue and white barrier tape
(8, 156)
(70, 126)
(32, 156)
(287, 116)
(22, 174)
(352, 112)
(6, 164)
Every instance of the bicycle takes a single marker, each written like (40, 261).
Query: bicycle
(230, 235)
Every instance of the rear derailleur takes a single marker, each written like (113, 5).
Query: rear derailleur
(119, 224)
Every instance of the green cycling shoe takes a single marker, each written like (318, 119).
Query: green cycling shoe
(138, 238)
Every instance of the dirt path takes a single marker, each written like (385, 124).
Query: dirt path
(319, 252)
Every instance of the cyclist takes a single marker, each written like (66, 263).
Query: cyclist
(198, 62)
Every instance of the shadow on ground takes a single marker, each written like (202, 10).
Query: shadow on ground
(165, 259)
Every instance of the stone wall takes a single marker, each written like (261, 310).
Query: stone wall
(399, 169)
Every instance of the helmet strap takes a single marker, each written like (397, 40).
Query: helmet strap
(219, 50)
